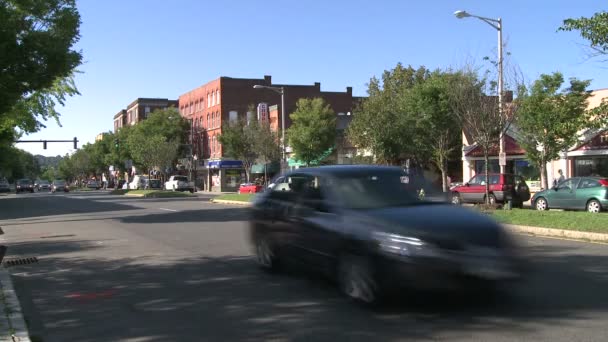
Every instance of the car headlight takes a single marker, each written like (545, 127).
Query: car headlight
(404, 246)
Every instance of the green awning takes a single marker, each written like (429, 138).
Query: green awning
(270, 168)
(299, 163)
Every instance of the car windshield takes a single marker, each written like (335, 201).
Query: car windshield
(24, 181)
(43, 182)
(380, 189)
(59, 182)
(181, 179)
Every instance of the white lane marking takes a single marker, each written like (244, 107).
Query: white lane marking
(167, 209)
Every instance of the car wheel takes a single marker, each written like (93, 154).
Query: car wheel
(356, 279)
(541, 204)
(265, 254)
(594, 206)
(456, 199)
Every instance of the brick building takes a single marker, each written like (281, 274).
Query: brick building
(139, 110)
(226, 99)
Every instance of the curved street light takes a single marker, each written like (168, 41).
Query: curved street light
(496, 24)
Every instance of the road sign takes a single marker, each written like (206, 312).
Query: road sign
(111, 168)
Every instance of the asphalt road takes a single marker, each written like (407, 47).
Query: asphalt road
(113, 268)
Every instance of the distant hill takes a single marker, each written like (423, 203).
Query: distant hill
(48, 161)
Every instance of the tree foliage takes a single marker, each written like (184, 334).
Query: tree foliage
(549, 119)
(239, 140)
(313, 129)
(438, 132)
(593, 29)
(37, 61)
(382, 123)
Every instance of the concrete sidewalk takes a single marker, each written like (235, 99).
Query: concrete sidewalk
(12, 323)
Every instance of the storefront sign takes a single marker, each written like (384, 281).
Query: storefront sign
(225, 164)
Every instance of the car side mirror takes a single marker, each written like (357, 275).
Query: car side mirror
(555, 188)
(467, 184)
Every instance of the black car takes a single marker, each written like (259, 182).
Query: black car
(370, 229)
(24, 185)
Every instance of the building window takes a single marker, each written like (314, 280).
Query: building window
(212, 98)
(233, 115)
(147, 112)
(217, 97)
(208, 122)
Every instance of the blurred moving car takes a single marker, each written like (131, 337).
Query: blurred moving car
(250, 188)
(503, 187)
(367, 227)
(43, 185)
(138, 182)
(578, 193)
(24, 185)
(59, 185)
(93, 184)
(4, 185)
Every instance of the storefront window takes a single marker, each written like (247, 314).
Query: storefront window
(591, 166)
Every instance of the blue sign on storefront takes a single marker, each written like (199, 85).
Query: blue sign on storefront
(225, 164)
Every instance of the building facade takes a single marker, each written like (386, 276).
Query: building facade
(226, 99)
(589, 156)
(139, 110)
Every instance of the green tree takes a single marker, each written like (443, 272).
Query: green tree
(593, 29)
(549, 119)
(152, 151)
(479, 113)
(37, 61)
(238, 141)
(166, 123)
(438, 131)
(383, 123)
(266, 144)
(66, 169)
(313, 129)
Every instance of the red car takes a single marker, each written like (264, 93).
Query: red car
(502, 188)
(250, 188)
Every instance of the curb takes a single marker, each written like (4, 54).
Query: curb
(246, 204)
(559, 233)
(134, 195)
(12, 309)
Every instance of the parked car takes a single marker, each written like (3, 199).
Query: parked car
(4, 185)
(93, 184)
(250, 188)
(59, 185)
(367, 228)
(153, 184)
(43, 185)
(502, 188)
(578, 193)
(24, 185)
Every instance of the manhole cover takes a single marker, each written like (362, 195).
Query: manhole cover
(20, 262)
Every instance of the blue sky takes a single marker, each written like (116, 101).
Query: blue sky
(154, 48)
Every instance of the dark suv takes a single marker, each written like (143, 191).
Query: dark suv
(502, 188)
(24, 185)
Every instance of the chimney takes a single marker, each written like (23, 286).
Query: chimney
(349, 91)
(268, 79)
(318, 86)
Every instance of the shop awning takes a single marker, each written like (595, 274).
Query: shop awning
(270, 168)
(294, 162)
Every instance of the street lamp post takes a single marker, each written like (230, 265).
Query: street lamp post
(497, 24)
(280, 90)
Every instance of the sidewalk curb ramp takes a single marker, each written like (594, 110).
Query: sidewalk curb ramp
(10, 311)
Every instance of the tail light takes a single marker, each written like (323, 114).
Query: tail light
(604, 182)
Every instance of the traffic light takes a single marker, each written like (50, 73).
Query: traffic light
(75, 143)
(44, 144)
(116, 143)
